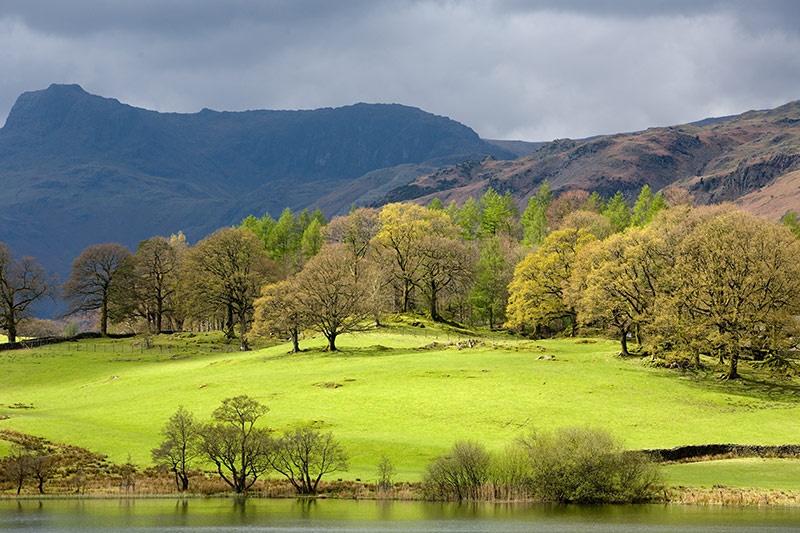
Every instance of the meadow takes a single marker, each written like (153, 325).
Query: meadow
(403, 391)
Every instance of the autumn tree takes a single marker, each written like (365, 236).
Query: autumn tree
(615, 282)
(22, 283)
(305, 455)
(96, 275)
(536, 292)
(745, 283)
(226, 270)
(240, 451)
(181, 445)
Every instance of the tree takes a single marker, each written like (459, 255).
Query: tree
(356, 230)
(493, 272)
(157, 268)
(647, 206)
(181, 445)
(17, 466)
(278, 312)
(615, 282)
(536, 292)
(499, 214)
(745, 283)
(331, 293)
(446, 264)
(618, 212)
(96, 275)
(22, 283)
(226, 271)
(240, 451)
(534, 218)
(460, 474)
(304, 455)
(567, 202)
(583, 465)
(791, 221)
(404, 227)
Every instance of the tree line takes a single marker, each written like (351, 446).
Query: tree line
(677, 281)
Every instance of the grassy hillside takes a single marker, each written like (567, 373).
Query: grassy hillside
(403, 391)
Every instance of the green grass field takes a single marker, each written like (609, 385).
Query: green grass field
(778, 474)
(387, 392)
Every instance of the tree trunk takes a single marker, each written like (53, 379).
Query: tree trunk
(331, 342)
(104, 316)
(433, 307)
(12, 329)
(623, 340)
(733, 368)
(295, 341)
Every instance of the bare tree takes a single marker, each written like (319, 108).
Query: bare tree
(22, 282)
(179, 447)
(331, 293)
(240, 451)
(156, 265)
(278, 312)
(96, 274)
(226, 270)
(304, 455)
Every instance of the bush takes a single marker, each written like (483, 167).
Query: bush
(458, 475)
(584, 465)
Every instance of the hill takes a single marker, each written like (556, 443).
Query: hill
(78, 169)
(752, 159)
(400, 390)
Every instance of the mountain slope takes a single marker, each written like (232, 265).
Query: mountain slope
(751, 158)
(78, 169)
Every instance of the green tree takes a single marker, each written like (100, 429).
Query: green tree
(618, 212)
(493, 273)
(647, 205)
(403, 230)
(23, 282)
(534, 218)
(581, 465)
(791, 221)
(240, 451)
(96, 275)
(499, 214)
(459, 474)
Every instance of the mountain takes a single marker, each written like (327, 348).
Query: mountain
(752, 159)
(78, 169)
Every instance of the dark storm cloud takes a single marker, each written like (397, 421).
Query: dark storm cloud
(510, 69)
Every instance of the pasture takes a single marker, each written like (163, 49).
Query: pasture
(403, 391)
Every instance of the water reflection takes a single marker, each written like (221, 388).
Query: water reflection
(292, 516)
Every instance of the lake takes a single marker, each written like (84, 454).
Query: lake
(290, 516)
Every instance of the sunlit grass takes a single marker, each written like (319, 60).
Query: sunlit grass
(778, 474)
(391, 391)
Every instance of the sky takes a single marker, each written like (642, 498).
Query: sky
(529, 70)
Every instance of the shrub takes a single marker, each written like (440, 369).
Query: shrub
(458, 475)
(583, 465)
